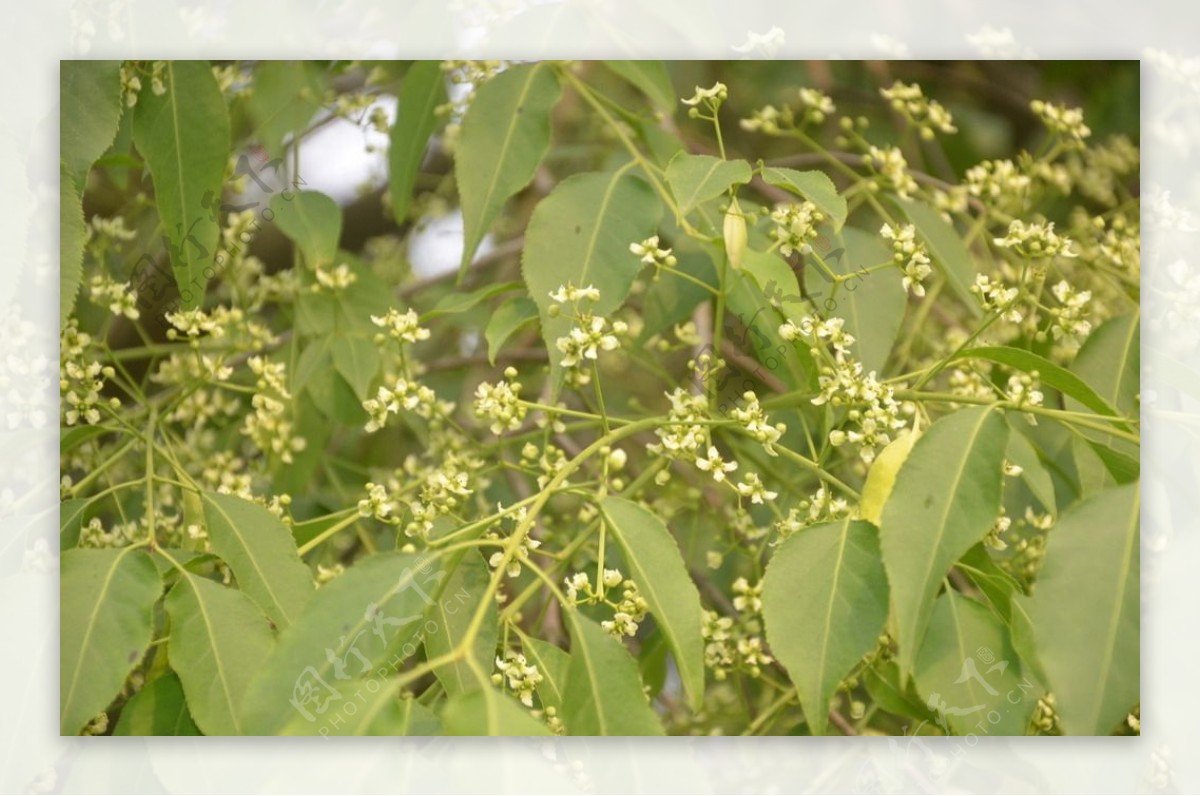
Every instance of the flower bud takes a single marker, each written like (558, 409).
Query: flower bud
(735, 235)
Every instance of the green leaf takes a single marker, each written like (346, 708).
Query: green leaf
(488, 712)
(1122, 468)
(815, 186)
(158, 709)
(553, 664)
(657, 566)
(219, 640)
(91, 91)
(70, 521)
(969, 673)
(996, 585)
(358, 360)
(650, 78)
(1110, 361)
(457, 301)
(184, 137)
(259, 549)
(1085, 612)
(894, 695)
(357, 624)
(825, 602)
(672, 300)
(580, 234)
(287, 96)
(947, 249)
(452, 615)
(72, 236)
(747, 302)
(424, 89)
(695, 179)
(314, 223)
(872, 304)
(946, 498)
(505, 135)
(106, 619)
(506, 320)
(1050, 374)
(604, 691)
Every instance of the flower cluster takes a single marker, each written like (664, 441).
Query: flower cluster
(92, 534)
(1035, 241)
(501, 403)
(590, 335)
(814, 108)
(1062, 121)
(910, 255)
(736, 644)
(193, 323)
(753, 419)
(873, 409)
(682, 435)
(995, 297)
(442, 488)
(1068, 319)
(527, 544)
(822, 506)
(927, 115)
(628, 611)
(892, 168)
(268, 426)
(81, 381)
(378, 504)
(651, 254)
(710, 97)
(752, 487)
(403, 394)
(1023, 390)
(522, 677)
(121, 299)
(795, 225)
(584, 343)
(998, 182)
(334, 281)
(402, 326)
(816, 105)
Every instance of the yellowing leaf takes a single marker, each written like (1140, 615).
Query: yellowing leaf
(882, 476)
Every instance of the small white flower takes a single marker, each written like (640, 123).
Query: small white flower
(716, 94)
(715, 464)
